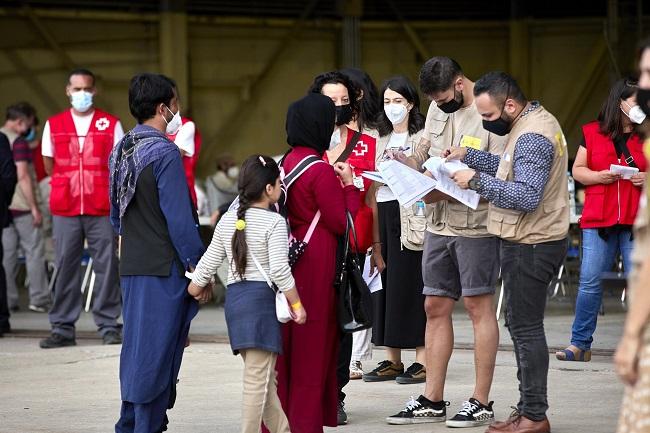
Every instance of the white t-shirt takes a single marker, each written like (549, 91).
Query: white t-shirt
(185, 138)
(396, 140)
(82, 125)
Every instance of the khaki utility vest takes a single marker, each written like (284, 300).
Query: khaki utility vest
(461, 128)
(550, 221)
(412, 226)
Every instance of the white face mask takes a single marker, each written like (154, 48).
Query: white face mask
(335, 140)
(396, 113)
(233, 172)
(81, 100)
(174, 124)
(635, 114)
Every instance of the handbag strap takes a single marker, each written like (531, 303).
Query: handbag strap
(621, 146)
(299, 169)
(312, 227)
(261, 270)
(348, 149)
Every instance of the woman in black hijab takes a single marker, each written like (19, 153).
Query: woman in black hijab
(307, 383)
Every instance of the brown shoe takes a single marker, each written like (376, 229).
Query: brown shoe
(520, 424)
(386, 370)
(513, 415)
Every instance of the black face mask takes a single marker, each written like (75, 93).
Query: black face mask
(453, 105)
(643, 99)
(343, 114)
(499, 126)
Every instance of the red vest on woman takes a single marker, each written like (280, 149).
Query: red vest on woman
(80, 178)
(362, 159)
(189, 162)
(618, 202)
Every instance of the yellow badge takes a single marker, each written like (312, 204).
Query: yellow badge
(560, 142)
(646, 149)
(469, 141)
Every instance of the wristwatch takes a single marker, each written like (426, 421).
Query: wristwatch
(475, 182)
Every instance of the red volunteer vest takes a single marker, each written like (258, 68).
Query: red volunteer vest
(80, 178)
(362, 159)
(618, 202)
(189, 162)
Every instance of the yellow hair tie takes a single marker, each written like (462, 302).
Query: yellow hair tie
(240, 225)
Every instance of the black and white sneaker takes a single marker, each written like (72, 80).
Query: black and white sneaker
(473, 414)
(420, 411)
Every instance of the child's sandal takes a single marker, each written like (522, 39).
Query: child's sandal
(572, 353)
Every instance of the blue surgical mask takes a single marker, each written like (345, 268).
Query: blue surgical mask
(31, 134)
(81, 100)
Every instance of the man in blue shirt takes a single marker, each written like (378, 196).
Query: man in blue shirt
(152, 212)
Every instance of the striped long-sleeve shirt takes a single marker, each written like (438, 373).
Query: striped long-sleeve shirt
(266, 238)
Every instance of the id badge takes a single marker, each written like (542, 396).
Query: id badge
(358, 182)
(469, 141)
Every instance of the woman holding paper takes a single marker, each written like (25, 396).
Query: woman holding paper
(610, 150)
(399, 319)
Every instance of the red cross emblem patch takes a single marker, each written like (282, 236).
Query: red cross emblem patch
(102, 124)
(360, 149)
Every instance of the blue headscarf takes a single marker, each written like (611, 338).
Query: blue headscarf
(140, 147)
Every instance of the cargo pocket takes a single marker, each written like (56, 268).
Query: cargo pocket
(594, 209)
(101, 194)
(505, 225)
(60, 200)
(415, 228)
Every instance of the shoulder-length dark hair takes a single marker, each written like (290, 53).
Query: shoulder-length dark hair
(404, 87)
(610, 117)
(336, 77)
(370, 105)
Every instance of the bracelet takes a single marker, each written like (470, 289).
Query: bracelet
(296, 306)
(375, 243)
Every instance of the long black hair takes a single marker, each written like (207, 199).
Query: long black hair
(610, 117)
(370, 105)
(256, 172)
(336, 77)
(404, 87)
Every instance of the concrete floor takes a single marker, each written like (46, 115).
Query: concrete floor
(77, 390)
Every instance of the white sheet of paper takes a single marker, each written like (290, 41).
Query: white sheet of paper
(624, 171)
(407, 184)
(373, 281)
(436, 163)
(442, 171)
(373, 175)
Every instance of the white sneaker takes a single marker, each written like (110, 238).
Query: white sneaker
(356, 371)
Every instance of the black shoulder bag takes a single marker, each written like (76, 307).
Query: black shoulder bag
(354, 302)
(348, 149)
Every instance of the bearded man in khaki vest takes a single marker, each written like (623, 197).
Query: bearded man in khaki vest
(529, 211)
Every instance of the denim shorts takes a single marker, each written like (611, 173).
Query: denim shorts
(455, 266)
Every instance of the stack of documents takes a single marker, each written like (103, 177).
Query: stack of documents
(443, 170)
(407, 184)
(624, 171)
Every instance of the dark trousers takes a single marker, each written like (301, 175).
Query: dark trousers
(345, 352)
(69, 234)
(527, 271)
(4, 308)
(147, 417)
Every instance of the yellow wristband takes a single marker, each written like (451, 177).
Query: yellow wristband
(296, 305)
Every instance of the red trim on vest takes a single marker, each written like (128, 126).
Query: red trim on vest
(80, 180)
(189, 162)
(618, 202)
(362, 159)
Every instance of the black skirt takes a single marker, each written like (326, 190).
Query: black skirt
(399, 319)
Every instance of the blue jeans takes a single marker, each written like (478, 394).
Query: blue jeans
(598, 256)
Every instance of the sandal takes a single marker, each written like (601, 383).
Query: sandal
(572, 353)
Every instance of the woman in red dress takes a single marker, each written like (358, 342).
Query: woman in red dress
(307, 383)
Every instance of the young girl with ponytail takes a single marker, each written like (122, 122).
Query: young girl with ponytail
(243, 236)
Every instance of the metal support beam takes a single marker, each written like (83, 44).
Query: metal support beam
(24, 70)
(519, 43)
(351, 12)
(49, 38)
(581, 89)
(232, 123)
(421, 50)
(174, 52)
